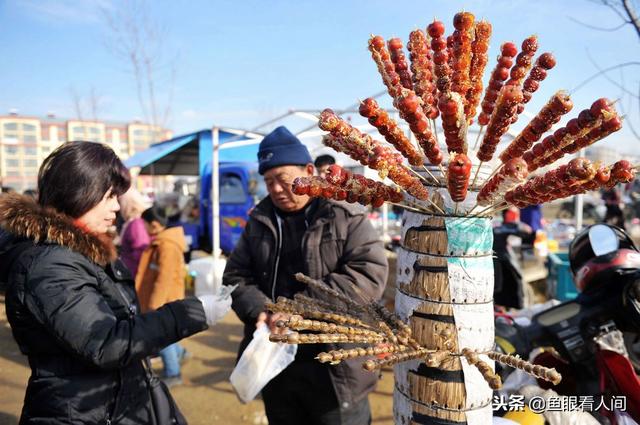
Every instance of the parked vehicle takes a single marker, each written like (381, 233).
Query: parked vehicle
(593, 209)
(241, 188)
(585, 336)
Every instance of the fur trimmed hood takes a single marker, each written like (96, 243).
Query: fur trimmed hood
(23, 217)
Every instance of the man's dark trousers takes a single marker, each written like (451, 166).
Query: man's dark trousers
(303, 394)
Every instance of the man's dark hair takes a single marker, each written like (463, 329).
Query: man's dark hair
(75, 177)
(155, 213)
(323, 160)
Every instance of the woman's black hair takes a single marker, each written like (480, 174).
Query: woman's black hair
(75, 177)
(155, 213)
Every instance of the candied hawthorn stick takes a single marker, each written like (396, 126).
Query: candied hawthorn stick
(523, 61)
(378, 192)
(385, 162)
(408, 103)
(559, 105)
(440, 56)
(521, 68)
(342, 185)
(566, 180)
(463, 35)
(458, 175)
(360, 146)
(380, 119)
(599, 133)
(400, 62)
(479, 60)
(386, 68)
(422, 72)
(551, 147)
(317, 186)
(512, 174)
(538, 73)
(506, 108)
(499, 75)
(454, 122)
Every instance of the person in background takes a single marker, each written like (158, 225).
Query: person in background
(329, 241)
(322, 164)
(532, 216)
(161, 279)
(71, 303)
(134, 238)
(613, 200)
(507, 289)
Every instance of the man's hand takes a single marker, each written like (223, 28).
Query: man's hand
(271, 320)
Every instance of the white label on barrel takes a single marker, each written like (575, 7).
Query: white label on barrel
(402, 409)
(405, 305)
(471, 290)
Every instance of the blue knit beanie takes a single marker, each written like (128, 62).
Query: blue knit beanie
(280, 147)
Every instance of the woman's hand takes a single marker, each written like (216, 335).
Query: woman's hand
(215, 308)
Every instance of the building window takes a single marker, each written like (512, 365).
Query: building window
(11, 150)
(28, 127)
(29, 138)
(30, 163)
(13, 163)
(31, 150)
(10, 126)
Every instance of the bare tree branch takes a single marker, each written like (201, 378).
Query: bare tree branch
(602, 72)
(139, 41)
(611, 80)
(593, 27)
(614, 8)
(628, 7)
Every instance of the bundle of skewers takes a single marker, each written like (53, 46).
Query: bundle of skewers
(384, 338)
(441, 77)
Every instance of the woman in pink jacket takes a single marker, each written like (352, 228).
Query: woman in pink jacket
(133, 237)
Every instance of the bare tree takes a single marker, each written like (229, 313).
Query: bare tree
(86, 107)
(625, 10)
(139, 41)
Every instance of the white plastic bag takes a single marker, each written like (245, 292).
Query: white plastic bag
(260, 362)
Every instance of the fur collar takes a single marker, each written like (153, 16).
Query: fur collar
(25, 218)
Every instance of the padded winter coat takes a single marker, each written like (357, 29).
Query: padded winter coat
(73, 312)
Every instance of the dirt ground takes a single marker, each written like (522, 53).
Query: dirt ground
(205, 398)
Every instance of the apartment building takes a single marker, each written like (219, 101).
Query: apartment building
(26, 141)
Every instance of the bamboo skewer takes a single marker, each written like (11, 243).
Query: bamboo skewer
(494, 172)
(419, 210)
(431, 175)
(420, 176)
(475, 145)
(475, 177)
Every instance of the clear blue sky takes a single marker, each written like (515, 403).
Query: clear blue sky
(243, 62)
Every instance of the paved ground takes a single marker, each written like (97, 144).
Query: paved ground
(206, 398)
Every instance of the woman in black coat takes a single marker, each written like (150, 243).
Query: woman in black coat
(72, 306)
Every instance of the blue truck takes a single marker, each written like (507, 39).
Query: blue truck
(241, 187)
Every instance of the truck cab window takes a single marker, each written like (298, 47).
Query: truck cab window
(231, 190)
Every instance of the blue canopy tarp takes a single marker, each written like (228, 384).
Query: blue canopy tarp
(188, 154)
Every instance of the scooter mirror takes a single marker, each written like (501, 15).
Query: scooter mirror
(603, 239)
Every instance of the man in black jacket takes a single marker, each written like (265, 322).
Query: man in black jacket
(330, 241)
